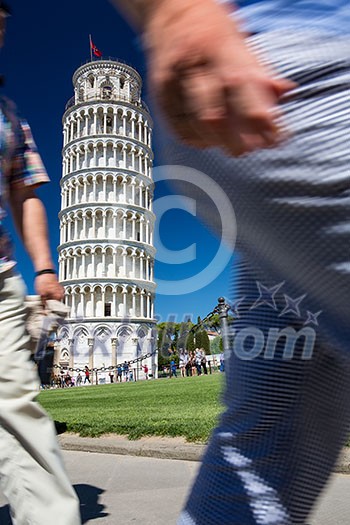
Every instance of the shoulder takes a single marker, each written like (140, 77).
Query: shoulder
(10, 112)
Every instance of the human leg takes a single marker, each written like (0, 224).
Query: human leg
(33, 477)
(277, 442)
(292, 206)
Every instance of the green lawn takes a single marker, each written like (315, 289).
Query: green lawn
(187, 407)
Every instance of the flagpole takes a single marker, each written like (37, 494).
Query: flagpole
(90, 47)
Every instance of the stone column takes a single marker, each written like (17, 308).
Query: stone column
(114, 344)
(148, 306)
(104, 122)
(140, 130)
(75, 273)
(124, 190)
(93, 303)
(86, 152)
(142, 303)
(73, 312)
(134, 303)
(105, 155)
(71, 352)
(95, 122)
(134, 265)
(141, 266)
(114, 303)
(147, 232)
(91, 353)
(83, 263)
(124, 294)
(147, 268)
(93, 218)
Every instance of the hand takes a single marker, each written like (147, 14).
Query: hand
(48, 287)
(210, 86)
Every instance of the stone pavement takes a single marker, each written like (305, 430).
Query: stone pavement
(156, 447)
(124, 489)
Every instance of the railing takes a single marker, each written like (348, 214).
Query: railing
(103, 59)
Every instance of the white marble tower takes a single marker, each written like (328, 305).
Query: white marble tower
(106, 252)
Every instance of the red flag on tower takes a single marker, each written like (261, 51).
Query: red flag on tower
(94, 49)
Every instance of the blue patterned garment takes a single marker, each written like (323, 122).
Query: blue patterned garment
(20, 166)
(287, 412)
(330, 16)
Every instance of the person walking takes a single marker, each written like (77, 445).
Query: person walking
(266, 82)
(183, 360)
(125, 368)
(145, 369)
(32, 474)
(173, 369)
(87, 375)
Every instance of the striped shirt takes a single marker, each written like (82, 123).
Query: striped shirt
(328, 16)
(20, 166)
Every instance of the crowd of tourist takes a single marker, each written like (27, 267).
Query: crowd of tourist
(64, 379)
(186, 364)
(194, 363)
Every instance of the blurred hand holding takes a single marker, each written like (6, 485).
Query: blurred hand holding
(48, 287)
(210, 86)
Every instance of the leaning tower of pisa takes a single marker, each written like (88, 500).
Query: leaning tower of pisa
(106, 252)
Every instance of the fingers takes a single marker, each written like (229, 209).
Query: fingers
(234, 109)
(169, 94)
(48, 287)
(205, 104)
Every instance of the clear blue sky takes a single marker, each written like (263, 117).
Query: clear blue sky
(46, 42)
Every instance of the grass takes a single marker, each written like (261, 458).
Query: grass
(187, 407)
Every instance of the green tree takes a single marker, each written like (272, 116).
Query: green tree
(205, 342)
(198, 338)
(216, 345)
(183, 331)
(190, 342)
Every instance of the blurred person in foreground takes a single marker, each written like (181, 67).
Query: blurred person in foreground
(32, 475)
(262, 87)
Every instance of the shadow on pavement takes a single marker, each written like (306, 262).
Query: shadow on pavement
(90, 507)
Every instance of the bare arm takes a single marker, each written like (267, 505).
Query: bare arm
(210, 86)
(30, 219)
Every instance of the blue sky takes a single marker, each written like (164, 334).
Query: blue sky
(46, 42)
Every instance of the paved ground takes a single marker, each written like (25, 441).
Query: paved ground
(147, 491)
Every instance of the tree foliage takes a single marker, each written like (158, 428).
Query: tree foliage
(216, 345)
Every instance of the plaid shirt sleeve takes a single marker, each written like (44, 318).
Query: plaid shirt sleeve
(27, 168)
